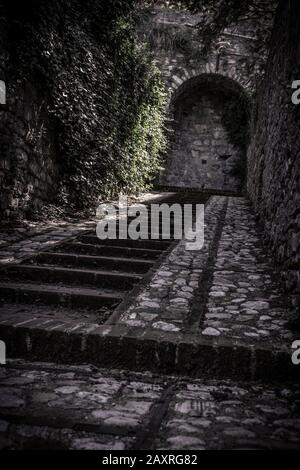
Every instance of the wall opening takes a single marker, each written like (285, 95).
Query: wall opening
(209, 136)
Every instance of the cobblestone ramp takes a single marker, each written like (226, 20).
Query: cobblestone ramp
(153, 305)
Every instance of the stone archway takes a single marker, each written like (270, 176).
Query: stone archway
(210, 121)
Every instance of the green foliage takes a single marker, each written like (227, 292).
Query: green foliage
(105, 95)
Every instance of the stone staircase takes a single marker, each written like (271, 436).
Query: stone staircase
(83, 278)
(195, 341)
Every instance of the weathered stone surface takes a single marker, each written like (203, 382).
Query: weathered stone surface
(179, 285)
(250, 313)
(213, 164)
(28, 177)
(200, 414)
(273, 161)
(211, 332)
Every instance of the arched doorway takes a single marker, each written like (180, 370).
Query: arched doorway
(209, 138)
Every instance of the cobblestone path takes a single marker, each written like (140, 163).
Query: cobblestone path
(80, 407)
(185, 349)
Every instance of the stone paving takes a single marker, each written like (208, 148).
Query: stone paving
(227, 415)
(165, 303)
(26, 238)
(51, 406)
(246, 298)
(24, 242)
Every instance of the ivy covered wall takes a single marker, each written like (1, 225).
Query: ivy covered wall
(85, 105)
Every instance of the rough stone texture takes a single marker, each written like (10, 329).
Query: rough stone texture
(228, 289)
(57, 404)
(274, 164)
(246, 300)
(45, 406)
(29, 166)
(24, 239)
(224, 415)
(165, 303)
(19, 245)
(201, 155)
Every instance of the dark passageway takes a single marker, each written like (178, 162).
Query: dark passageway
(210, 133)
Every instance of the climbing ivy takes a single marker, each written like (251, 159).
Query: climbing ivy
(105, 94)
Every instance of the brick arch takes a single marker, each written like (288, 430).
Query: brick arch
(187, 77)
(182, 75)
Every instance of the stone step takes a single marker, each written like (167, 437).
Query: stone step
(152, 236)
(134, 349)
(158, 234)
(131, 265)
(83, 277)
(101, 250)
(160, 221)
(45, 313)
(157, 229)
(72, 297)
(142, 244)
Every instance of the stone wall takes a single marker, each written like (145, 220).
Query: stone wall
(201, 155)
(274, 157)
(29, 166)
